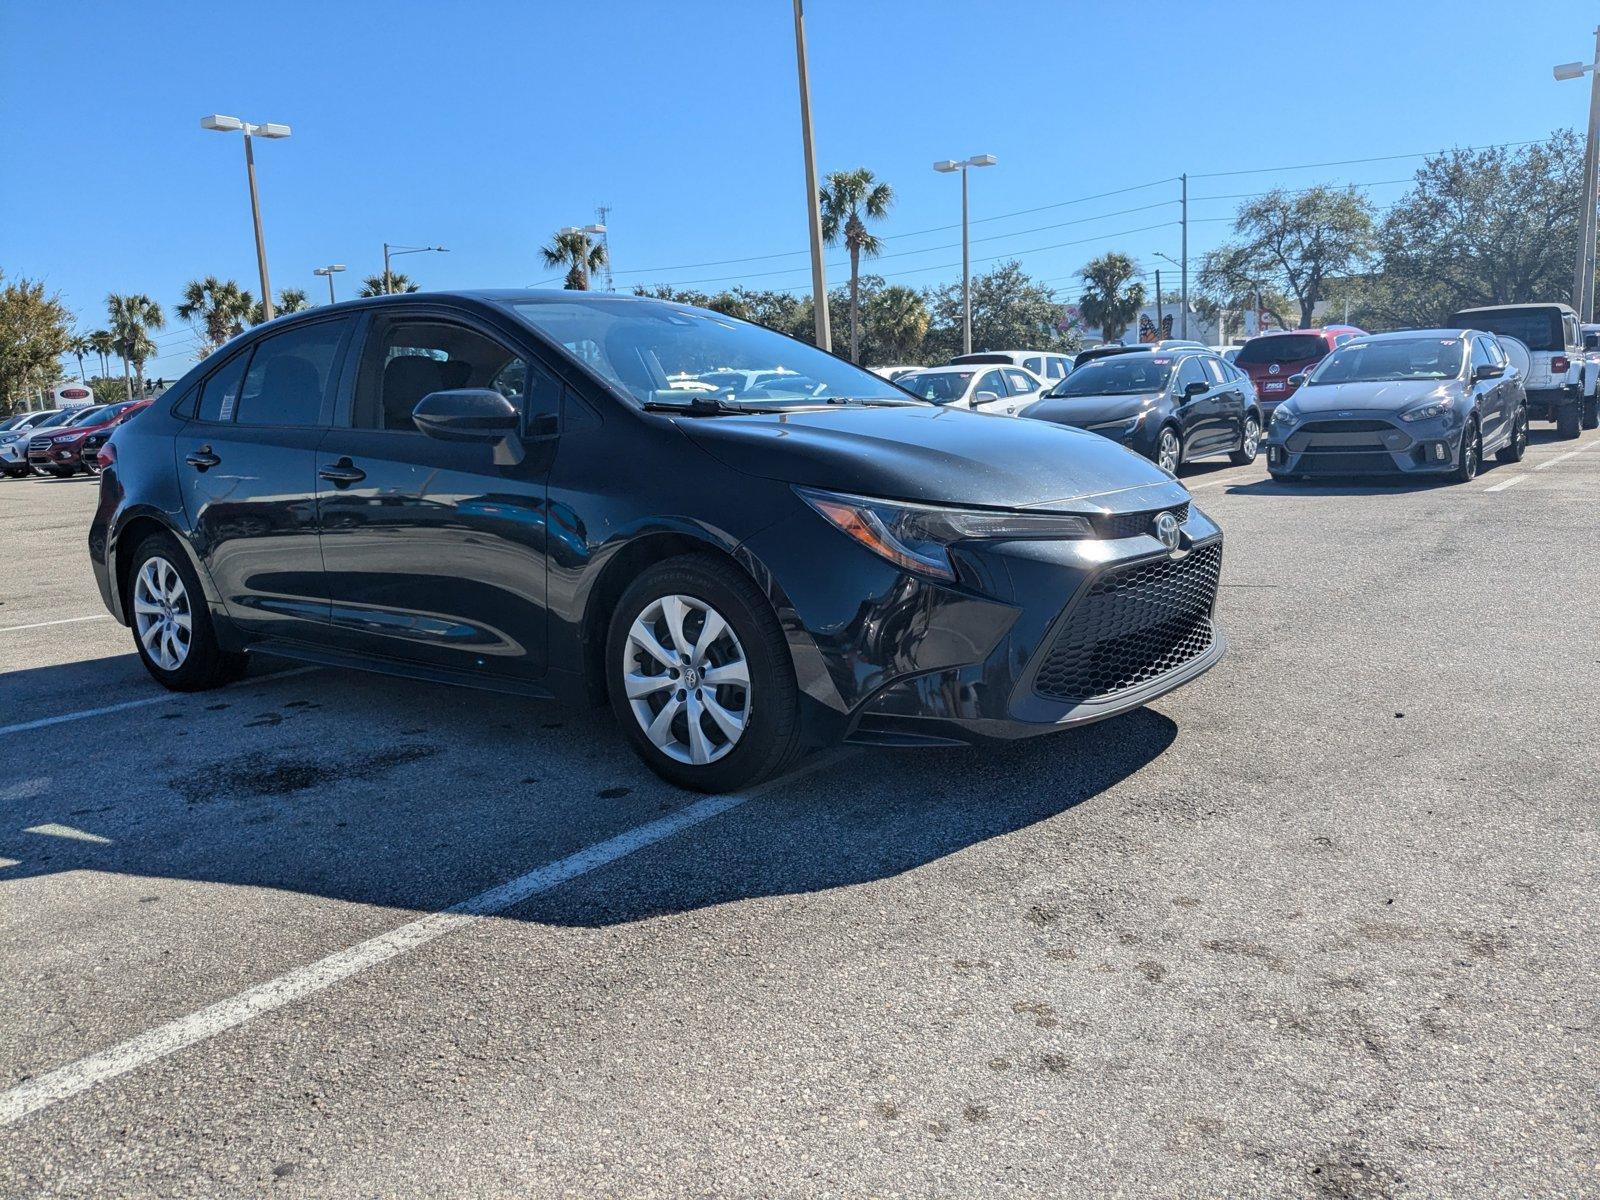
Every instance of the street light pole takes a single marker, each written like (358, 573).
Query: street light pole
(819, 281)
(1583, 282)
(389, 250)
(330, 270)
(946, 166)
(1183, 267)
(222, 124)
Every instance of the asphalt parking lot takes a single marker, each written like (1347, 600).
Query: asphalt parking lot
(1321, 924)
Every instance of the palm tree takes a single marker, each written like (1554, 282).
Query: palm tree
(1111, 301)
(372, 285)
(132, 318)
(290, 300)
(220, 305)
(898, 319)
(78, 347)
(103, 344)
(571, 248)
(848, 201)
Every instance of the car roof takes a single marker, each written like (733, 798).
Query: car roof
(1566, 308)
(1400, 335)
(956, 368)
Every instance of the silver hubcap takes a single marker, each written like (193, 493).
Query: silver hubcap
(1252, 436)
(1167, 455)
(161, 614)
(687, 679)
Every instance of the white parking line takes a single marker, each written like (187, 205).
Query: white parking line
(1512, 482)
(84, 713)
(1550, 462)
(62, 621)
(65, 1082)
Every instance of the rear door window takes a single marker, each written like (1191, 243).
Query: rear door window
(1215, 371)
(1019, 382)
(219, 397)
(291, 375)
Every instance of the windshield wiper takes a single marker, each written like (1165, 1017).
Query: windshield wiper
(872, 401)
(699, 406)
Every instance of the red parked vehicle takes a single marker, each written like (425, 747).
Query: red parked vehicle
(1271, 358)
(59, 451)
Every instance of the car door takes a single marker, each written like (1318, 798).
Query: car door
(1489, 395)
(435, 550)
(1196, 419)
(993, 382)
(1226, 402)
(246, 464)
(1025, 388)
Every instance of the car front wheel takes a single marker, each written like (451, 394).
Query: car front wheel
(1471, 451)
(699, 676)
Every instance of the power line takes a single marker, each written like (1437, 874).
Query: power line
(1350, 162)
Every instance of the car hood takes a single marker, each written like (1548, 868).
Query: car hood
(1386, 396)
(933, 455)
(1089, 410)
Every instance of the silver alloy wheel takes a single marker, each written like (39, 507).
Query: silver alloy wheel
(1167, 452)
(687, 679)
(162, 616)
(1252, 436)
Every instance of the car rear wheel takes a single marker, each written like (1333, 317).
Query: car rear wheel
(1471, 453)
(1169, 450)
(1513, 451)
(1569, 417)
(1591, 412)
(699, 676)
(172, 628)
(1249, 444)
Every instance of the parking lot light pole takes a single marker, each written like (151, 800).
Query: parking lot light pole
(1583, 284)
(390, 251)
(221, 124)
(330, 271)
(819, 278)
(946, 166)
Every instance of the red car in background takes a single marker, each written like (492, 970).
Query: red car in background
(59, 451)
(1271, 358)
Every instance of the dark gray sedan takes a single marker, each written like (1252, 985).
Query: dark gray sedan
(1419, 402)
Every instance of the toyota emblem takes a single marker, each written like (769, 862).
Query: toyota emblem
(1272, 369)
(1168, 533)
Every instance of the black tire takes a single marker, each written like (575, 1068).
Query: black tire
(1569, 417)
(62, 472)
(206, 664)
(770, 738)
(1250, 444)
(1162, 435)
(1471, 454)
(1513, 451)
(1591, 412)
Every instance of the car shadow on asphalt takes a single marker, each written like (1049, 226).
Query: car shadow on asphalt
(356, 788)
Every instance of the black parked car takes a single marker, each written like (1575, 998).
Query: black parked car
(1170, 406)
(504, 489)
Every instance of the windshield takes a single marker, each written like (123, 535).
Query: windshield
(1281, 348)
(113, 411)
(1403, 358)
(662, 353)
(60, 418)
(1535, 328)
(1124, 375)
(941, 387)
(88, 416)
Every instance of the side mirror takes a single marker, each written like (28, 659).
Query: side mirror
(1487, 371)
(984, 398)
(472, 415)
(1298, 379)
(1195, 388)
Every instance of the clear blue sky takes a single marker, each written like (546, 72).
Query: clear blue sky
(487, 125)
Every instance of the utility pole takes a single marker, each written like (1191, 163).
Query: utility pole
(1586, 262)
(603, 213)
(1161, 331)
(1183, 267)
(819, 281)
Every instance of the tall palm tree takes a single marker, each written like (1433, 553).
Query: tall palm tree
(571, 248)
(1111, 300)
(132, 317)
(849, 200)
(290, 300)
(898, 320)
(399, 281)
(78, 347)
(220, 305)
(103, 344)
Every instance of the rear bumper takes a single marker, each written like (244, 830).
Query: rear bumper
(1545, 403)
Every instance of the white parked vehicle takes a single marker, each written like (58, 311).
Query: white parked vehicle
(1560, 383)
(892, 373)
(14, 439)
(1048, 365)
(990, 389)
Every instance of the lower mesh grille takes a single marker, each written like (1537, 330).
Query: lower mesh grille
(1134, 625)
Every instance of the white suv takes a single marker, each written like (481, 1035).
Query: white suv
(1048, 365)
(1562, 387)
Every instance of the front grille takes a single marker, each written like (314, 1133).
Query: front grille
(1345, 427)
(1134, 625)
(1348, 464)
(1122, 525)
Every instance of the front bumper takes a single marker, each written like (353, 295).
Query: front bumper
(1035, 637)
(1364, 444)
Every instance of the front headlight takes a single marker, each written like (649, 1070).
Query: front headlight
(1437, 408)
(917, 536)
(1283, 416)
(68, 438)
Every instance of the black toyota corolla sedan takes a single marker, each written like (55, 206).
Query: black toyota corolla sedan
(548, 494)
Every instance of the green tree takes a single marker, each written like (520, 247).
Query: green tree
(399, 282)
(221, 307)
(1297, 241)
(1009, 311)
(896, 320)
(1112, 297)
(35, 331)
(849, 200)
(78, 347)
(133, 316)
(290, 300)
(572, 248)
(104, 345)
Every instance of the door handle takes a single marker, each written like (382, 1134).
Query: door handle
(342, 473)
(202, 459)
